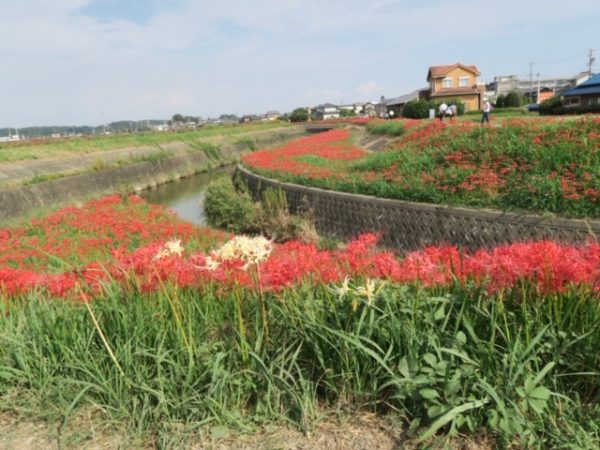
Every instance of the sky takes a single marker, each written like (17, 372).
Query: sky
(89, 62)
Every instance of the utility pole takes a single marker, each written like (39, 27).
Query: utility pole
(530, 82)
(591, 60)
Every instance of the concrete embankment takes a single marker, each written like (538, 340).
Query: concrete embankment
(24, 200)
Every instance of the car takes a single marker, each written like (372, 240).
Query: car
(533, 107)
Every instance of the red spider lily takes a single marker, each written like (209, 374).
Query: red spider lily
(548, 266)
(333, 145)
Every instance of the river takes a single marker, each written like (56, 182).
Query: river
(185, 197)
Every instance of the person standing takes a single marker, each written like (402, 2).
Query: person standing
(487, 107)
(452, 111)
(443, 109)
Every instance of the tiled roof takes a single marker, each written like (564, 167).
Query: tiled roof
(591, 86)
(441, 71)
(403, 98)
(455, 91)
(588, 90)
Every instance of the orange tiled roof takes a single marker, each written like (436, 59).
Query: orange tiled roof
(441, 71)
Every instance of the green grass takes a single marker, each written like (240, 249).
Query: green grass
(11, 152)
(522, 367)
(389, 127)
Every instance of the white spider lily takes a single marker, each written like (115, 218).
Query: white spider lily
(251, 250)
(369, 290)
(343, 290)
(170, 248)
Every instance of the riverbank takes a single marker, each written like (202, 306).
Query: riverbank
(51, 182)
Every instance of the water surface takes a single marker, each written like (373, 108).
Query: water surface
(185, 197)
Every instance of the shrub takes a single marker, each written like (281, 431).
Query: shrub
(501, 101)
(548, 105)
(228, 208)
(299, 115)
(512, 99)
(418, 109)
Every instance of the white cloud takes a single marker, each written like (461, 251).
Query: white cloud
(209, 57)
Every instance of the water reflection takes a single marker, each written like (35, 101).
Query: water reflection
(185, 197)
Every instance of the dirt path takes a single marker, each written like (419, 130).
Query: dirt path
(365, 431)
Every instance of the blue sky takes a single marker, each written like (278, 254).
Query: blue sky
(75, 62)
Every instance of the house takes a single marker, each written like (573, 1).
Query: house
(396, 104)
(352, 109)
(160, 127)
(248, 118)
(456, 82)
(369, 109)
(586, 94)
(538, 94)
(272, 115)
(327, 111)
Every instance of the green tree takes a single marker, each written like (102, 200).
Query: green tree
(418, 109)
(299, 115)
(512, 99)
(501, 101)
(178, 118)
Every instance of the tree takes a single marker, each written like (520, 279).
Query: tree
(347, 113)
(501, 101)
(177, 118)
(299, 115)
(418, 109)
(512, 99)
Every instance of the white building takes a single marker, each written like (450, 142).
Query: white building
(327, 111)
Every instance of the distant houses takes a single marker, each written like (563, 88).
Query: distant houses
(529, 87)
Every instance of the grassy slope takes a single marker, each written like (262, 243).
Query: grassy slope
(22, 151)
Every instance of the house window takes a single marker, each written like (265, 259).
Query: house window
(574, 100)
(447, 83)
(463, 82)
(592, 101)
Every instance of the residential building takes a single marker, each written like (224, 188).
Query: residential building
(249, 118)
(456, 82)
(504, 84)
(586, 94)
(369, 109)
(396, 104)
(272, 115)
(327, 111)
(355, 108)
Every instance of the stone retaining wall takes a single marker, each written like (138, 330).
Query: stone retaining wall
(20, 201)
(407, 226)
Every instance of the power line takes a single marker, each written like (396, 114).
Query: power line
(571, 58)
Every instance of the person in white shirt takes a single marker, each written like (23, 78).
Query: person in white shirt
(443, 110)
(487, 107)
